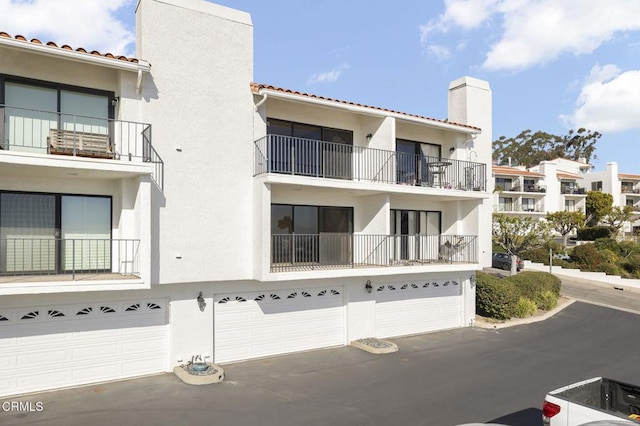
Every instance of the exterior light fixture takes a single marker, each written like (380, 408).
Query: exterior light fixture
(452, 150)
(368, 287)
(114, 101)
(369, 136)
(472, 280)
(201, 303)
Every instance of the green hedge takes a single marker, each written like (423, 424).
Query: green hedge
(593, 233)
(495, 297)
(504, 298)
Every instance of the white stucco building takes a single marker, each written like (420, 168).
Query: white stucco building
(165, 206)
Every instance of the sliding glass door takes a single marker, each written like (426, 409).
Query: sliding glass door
(415, 233)
(29, 117)
(53, 233)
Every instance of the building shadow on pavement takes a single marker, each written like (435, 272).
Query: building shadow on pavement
(526, 417)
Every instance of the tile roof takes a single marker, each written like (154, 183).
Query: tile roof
(628, 176)
(512, 171)
(566, 175)
(67, 47)
(256, 87)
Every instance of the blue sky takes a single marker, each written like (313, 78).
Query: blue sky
(553, 65)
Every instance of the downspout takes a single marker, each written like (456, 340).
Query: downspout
(139, 82)
(264, 98)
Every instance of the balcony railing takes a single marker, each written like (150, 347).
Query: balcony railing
(519, 208)
(572, 190)
(55, 256)
(527, 188)
(630, 190)
(47, 132)
(296, 252)
(307, 157)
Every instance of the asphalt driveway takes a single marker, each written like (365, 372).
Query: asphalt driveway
(445, 378)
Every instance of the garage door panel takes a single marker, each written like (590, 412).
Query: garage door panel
(251, 325)
(403, 308)
(106, 341)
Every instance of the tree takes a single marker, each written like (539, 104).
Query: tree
(516, 234)
(528, 149)
(597, 205)
(615, 217)
(565, 222)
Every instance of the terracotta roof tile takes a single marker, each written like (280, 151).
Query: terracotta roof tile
(67, 47)
(505, 170)
(628, 176)
(565, 175)
(256, 87)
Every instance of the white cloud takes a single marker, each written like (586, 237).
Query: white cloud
(609, 101)
(328, 76)
(465, 14)
(537, 31)
(90, 24)
(442, 53)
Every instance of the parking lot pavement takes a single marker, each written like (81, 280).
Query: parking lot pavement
(445, 378)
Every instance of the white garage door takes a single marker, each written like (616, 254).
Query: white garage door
(252, 325)
(417, 307)
(57, 346)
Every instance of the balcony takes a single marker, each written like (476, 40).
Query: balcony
(572, 191)
(29, 260)
(518, 208)
(56, 134)
(629, 190)
(528, 188)
(303, 252)
(327, 160)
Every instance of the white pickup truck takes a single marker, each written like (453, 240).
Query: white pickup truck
(595, 401)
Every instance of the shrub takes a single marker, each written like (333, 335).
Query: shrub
(587, 256)
(495, 298)
(609, 269)
(538, 255)
(549, 300)
(632, 265)
(607, 244)
(532, 283)
(524, 308)
(593, 233)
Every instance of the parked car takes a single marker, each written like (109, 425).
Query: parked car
(503, 261)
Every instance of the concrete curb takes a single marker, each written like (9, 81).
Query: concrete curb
(522, 321)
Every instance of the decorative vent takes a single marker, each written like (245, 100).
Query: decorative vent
(292, 295)
(240, 299)
(305, 294)
(31, 315)
(335, 292)
(153, 306)
(414, 286)
(380, 288)
(446, 283)
(274, 297)
(85, 311)
(404, 286)
(425, 285)
(54, 314)
(390, 287)
(3, 318)
(258, 298)
(133, 307)
(322, 293)
(224, 300)
(107, 310)
(436, 285)
(455, 282)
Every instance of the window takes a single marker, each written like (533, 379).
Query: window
(569, 205)
(54, 233)
(504, 183)
(596, 186)
(305, 149)
(412, 159)
(311, 234)
(528, 204)
(34, 109)
(416, 233)
(505, 204)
